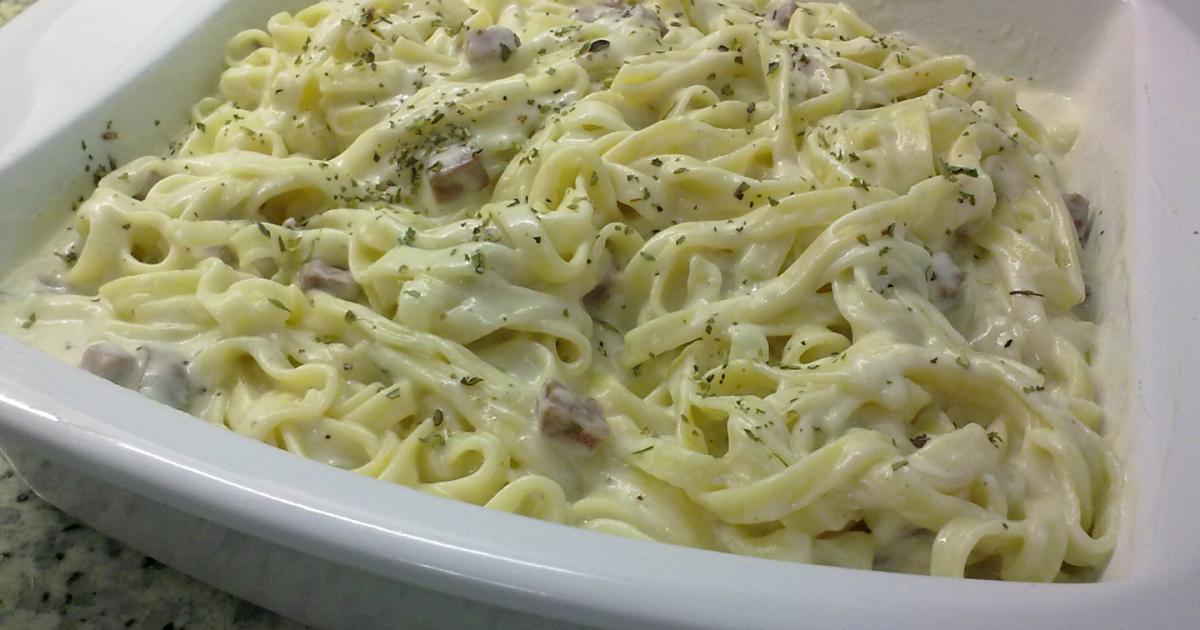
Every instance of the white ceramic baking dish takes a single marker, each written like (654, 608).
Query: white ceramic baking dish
(334, 549)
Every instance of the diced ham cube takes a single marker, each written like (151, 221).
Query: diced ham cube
(110, 361)
(946, 276)
(494, 44)
(318, 276)
(457, 171)
(569, 416)
(646, 14)
(165, 377)
(157, 373)
(781, 13)
(1079, 208)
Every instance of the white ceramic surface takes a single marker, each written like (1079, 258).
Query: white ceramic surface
(333, 548)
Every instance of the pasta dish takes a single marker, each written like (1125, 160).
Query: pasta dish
(748, 277)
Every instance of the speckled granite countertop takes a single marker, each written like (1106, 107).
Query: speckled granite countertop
(58, 573)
